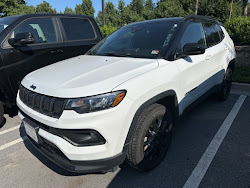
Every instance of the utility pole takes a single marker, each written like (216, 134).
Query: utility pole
(231, 10)
(103, 13)
(196, 7)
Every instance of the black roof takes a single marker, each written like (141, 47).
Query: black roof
(200, 19)
(192, 18)
(49, 15)
(160, 20)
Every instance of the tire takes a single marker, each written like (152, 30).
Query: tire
(1, 113)
(151, 138)
(225, 86)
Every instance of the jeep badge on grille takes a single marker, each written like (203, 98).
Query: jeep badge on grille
(33, 87)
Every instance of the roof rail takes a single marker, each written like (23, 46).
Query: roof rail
(201, 18)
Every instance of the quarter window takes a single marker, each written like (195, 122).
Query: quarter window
(42, 29)
(222, 35)
(212, 34)
(193, 34)
(77, 28)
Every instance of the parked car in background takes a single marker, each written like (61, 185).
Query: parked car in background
(29, 42)
(121, 99)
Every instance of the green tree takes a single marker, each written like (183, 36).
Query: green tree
(121, 5)
(239, 29)
(86, 8)
(148, 12)
(169, 8)
(45, 7)
(133, 12)
(218, 9)
(236, 9)
(129, 15)
(137, 6)
(111, 15)
(68, 10)
(107, 30)
(245, 7)
(149, 5)
(23, 9)
(14, 7)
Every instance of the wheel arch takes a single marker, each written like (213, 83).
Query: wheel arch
(232, 64)
(167, 98)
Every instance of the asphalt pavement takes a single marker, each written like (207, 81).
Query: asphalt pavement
(210, 148)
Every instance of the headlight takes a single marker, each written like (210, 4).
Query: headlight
(95, 103)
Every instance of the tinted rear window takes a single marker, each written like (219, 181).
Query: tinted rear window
(222, 35)
(212, 34)
(78, 28)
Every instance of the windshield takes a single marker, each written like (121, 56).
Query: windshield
(144, 40)
(5, 22)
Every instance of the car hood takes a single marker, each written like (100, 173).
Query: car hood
(86, 75)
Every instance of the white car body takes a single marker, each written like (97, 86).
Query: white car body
(143, 79)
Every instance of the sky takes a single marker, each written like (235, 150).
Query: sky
(60, 5)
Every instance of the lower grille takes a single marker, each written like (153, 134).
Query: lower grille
(43, 104)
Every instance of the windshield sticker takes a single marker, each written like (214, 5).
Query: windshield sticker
(166, 42)
(155, 52)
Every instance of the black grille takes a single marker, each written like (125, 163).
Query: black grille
(46, 105)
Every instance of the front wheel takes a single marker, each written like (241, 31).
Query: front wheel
(226, 85)
(151, 139)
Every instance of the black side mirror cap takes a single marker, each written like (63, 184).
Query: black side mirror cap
(21, 39)
(193, 49)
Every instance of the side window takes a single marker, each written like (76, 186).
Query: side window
(42, 29)
(193, 34)
(212, 34)
(222, 35)
(78, 28)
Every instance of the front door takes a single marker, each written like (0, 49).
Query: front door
(47, 49)
(195, 78)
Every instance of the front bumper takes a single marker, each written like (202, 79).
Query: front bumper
(53, 153)
(50, 151)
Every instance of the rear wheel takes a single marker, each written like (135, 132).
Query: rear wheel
(151, 139)
(1, 113)
(226, 85)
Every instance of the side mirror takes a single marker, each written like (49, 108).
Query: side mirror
(193, 49)
(21, 39)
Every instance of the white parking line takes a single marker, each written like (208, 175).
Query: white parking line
(12, 143)
(10, 129)
(201, 168)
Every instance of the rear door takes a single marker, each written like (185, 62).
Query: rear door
(47, 49)
(194, 69)
(79, 35)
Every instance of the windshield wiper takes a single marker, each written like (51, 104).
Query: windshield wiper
(115, 54)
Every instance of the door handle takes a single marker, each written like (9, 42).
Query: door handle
(208, 57)
(54, 52)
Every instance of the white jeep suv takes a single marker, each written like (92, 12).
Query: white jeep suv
(120, 100)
